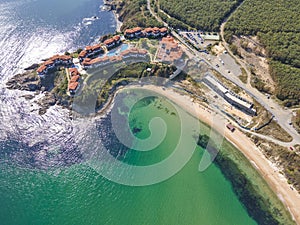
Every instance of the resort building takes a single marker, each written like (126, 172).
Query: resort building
(92, 63)
(73, 82)
(42, 70)
(53, 62)
(73, 87)
(90, 51)
(112, 42)
(169, 50)
(229, 96)
(129, 53)
(74, 72)
(134, 52)
(133, 33)
(154, 32)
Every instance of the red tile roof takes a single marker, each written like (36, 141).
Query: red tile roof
(82, 54)
(73, 86)
(41, 69)
(163, 29)
(148, 30)
(74, 78)
(116, 38)
(156, 29)
(109, 41)
(48, 62)
(74, 71)
(133, 30)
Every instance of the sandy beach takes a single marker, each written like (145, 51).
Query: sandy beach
(272, 175)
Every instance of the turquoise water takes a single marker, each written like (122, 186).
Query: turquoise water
(78, 194)
(118, 50)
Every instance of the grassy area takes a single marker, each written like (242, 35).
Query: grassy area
(243, 77)
(276, 23)
(275, 131)
(100, 86)
(199, 14)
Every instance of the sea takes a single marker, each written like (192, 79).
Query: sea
(47, 175)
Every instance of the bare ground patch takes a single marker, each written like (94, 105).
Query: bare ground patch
(254, 54)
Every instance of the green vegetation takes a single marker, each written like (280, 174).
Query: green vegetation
(172, 22)
(60, 83)
(276, 23)
(284, 157)
(243, 77)
(274, 130)
(132, 72)
(296, 121)
(134, 13)
(199, 14)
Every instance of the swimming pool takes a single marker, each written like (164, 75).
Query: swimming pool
(118, 50)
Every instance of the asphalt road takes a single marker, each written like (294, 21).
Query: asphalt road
(281, 116)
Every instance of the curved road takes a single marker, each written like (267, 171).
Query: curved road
(282, 116)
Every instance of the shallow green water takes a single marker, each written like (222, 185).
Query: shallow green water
(79, 195)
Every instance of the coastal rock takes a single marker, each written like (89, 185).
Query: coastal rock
(32, 67)
(45, 102)
(27, 81)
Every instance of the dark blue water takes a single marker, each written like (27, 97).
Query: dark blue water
(32, 30)
(35, 29)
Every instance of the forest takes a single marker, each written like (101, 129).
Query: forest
(276, 23)
(134, 13)
(206, 15)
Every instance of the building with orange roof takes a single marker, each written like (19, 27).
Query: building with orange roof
(53, 62)
(73, 86)
(169, 50)
(82, 54)
(133, 33)
(74, 72)
(74, 78)
(112, 42)
(155, 32)
(91, 63)
(133, 52)
(90, 51)
(163, 31)
(42, 70)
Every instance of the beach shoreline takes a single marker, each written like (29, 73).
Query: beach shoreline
(290, 198)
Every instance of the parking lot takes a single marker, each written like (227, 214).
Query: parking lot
(200, 39)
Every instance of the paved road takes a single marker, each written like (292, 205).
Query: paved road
(283, 117)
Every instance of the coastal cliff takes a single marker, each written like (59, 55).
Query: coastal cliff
(133, 13)
(52, 88)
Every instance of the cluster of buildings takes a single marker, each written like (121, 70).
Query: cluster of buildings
(154, 32)
(88, 57)
(53, 62)
(92, 51)
(73, 81)
(230, 97)
(169, 50)
(88, 63)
